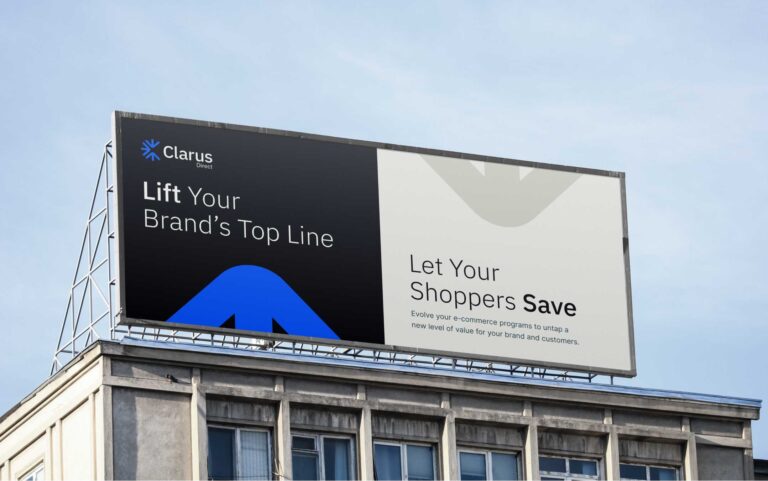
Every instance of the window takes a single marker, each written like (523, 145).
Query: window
(317, 456)
(487, 465)
(35, 474)
(238, 453)
(654, 473)
(564, 469)
(403, 461)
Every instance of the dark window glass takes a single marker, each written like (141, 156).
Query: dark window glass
(472, 466)
(301, 442)
(221, 453)
(337, 454)
(253, 457)
(663, 474)
(421, 464)
(503, 466)
(554, 465)
(632, 471)
(305, 466)
(386, 462)
(579, 466)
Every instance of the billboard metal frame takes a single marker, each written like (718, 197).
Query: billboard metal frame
(122, 319)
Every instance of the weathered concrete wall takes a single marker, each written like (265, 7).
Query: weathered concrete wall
(717, 427)
(59, 425)
(221, 378)
(488, 403)
(240, 410)
(320, 387)
(27, 459)
(141, 412)
(646, 420)
(315, 418)
(644, 451)
(151, 435)
(77, 443)
(565, 411)
(141, 370)
(717, 462)
(492, 436)
(391, 426)
(555, 442)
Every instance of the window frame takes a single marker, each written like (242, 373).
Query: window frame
(403, 445)
(678, 470)
(568, 476)
(35, 473)
(320, 450)
(236, 455)
(488, 454)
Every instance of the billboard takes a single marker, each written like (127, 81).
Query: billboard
(228, 228)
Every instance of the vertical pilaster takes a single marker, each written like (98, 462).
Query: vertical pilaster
(47, 457)
(449, 456)
(109, 460)
(531, 449)
(365, 438)
(199, 429)
(690, 463)
(612, 460)
(283, 435)
(99, 434)
(58, 463)
(94, 449)
(749, 461)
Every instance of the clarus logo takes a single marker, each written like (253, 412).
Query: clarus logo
(151, 147)
(148, 149)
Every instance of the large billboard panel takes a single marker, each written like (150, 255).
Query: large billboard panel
(229, 228)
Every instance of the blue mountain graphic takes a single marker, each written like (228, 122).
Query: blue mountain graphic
(256, 297)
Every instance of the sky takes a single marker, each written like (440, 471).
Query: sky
(673, 93)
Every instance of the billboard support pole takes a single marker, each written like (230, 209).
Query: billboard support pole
(92, 312)
(89, 314)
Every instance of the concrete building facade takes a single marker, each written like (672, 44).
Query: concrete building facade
(149, 410)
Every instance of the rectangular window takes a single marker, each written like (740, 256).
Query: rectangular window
(319, 456)
(487, 465)
(564, 469)
(648, 473)
(239, 453)
(404, 461)
(35, 474)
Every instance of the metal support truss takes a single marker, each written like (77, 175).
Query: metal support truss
(92, 310)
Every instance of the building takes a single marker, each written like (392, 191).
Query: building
(151, 410)
(761, 468)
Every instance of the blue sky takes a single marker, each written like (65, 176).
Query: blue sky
(673, 93)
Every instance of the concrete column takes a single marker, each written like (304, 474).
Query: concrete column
(611, 448)
(47, 457)
(98, 425)
(749, 460)
(448, 454)
(199, 429)
(612, 460)
(365, 439)
(531, 449)
(690, 463)
(94, 449)
(58, 461)
(107, 453)
(109, 460)
(283, 435)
